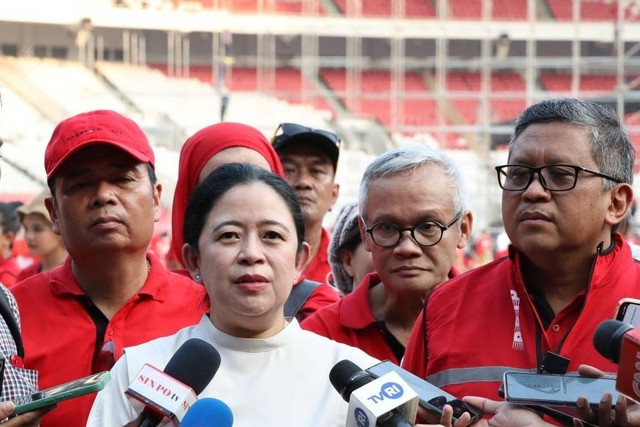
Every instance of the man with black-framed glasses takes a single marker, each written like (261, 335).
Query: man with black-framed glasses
(413, 218)
(566, 187)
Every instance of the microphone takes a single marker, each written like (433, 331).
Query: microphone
(208, 412)
(620, 343)
(167, 395)
(384, 402)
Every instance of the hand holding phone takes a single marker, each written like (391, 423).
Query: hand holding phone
(628, 311)
(555, 390)
(431, 397)
(51, 396)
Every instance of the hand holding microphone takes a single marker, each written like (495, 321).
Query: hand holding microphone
(386, 401)
(167, 395)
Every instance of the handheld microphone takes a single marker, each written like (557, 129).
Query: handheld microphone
(620, 343)
(167, 395)
(208, 412)
(385, 402)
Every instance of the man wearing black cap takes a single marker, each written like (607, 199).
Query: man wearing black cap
(309, 157)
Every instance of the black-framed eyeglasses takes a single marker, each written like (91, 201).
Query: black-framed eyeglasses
(286, 130)
(552, 177)
(425, 234)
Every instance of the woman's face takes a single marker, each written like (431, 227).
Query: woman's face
(233, 155)
(248, 260)
(39, 235)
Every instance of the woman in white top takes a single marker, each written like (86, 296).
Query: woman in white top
(243, 232)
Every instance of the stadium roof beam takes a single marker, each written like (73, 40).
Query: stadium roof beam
(220, 21)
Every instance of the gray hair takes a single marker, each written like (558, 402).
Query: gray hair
(408, 158)
(610, 145)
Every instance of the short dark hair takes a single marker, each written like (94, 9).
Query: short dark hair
(223, 179)
(610, 145)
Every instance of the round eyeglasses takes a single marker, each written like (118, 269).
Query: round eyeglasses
(425, 234)
(552, 177)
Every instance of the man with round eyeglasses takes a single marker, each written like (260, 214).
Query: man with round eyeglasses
(413, 218)
(566, 187)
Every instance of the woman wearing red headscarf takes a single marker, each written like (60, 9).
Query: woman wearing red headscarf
(208, 149)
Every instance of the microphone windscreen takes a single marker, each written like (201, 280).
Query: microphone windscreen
(608, 338)
(194, 364)
(208, 412)
(346, 376)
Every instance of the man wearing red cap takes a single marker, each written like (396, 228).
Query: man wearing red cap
(111, 292)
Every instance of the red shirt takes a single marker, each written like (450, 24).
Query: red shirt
(351, 321)
(319, 268)
(29, 271)
(60, 336)
(9, 270)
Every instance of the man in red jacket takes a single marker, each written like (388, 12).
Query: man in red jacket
(111, 292)
(566, 187)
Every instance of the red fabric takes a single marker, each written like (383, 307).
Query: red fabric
(351, 321)
(471, 323)
(59, 335)
(197, 151)
(29, 271)
(322, 296)
(9, 270)
(95, 127)
(319, 268)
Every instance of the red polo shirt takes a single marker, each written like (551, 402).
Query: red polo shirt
(60, 336)
(351, 321)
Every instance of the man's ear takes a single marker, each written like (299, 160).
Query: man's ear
(191, 261)
(366, 241)
(49, 203)
(466, 227)
(157, 193)
(619, 203)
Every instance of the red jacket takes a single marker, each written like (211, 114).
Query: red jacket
(483, 323)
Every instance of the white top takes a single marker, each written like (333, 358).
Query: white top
(279, 381)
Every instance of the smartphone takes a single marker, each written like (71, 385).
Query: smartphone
(628, 311)
(80, 387)
(431, 397)
(555, 390)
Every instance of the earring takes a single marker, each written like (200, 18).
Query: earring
(197, 277)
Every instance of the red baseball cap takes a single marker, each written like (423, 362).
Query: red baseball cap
(93, 128)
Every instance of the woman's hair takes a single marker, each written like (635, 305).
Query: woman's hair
(223, 179)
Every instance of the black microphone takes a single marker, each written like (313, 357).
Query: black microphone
(608, 338)
(168, 394)
(384, 402)
(620, 343)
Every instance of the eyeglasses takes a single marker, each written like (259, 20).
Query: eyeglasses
(104, 357)
(425, 234)
(286, 130)
(552, 177)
